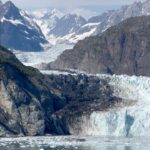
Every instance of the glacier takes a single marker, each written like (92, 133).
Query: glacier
(130, 119)
(36, 58)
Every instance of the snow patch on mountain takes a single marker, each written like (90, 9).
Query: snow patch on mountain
(15, 22)
(74, 38)
(90, 24)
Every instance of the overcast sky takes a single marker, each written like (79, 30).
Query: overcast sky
(95, 5)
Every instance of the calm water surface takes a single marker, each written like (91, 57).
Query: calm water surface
(74, 143)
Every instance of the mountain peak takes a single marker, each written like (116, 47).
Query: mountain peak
(10, 9)
(9, 4)
(55, 11)
(29, 36)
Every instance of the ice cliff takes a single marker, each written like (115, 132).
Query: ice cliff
(130, 118)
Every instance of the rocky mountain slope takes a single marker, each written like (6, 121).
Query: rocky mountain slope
(122, 49)
(35, 104)
(18, 30)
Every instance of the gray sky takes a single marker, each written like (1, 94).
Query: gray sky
(95, 5)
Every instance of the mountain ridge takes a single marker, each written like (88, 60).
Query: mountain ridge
(102, 22)
(122, 49)
(56, 30)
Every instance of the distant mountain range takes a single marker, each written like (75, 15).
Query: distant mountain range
(122, 49)
(31, 31)
(70, 28)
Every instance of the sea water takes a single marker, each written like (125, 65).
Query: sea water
(75, 143)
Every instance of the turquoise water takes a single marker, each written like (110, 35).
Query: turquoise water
(74, 143)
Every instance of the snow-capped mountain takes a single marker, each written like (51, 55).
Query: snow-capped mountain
(72, 28)
(69, 23)
(46, 13)
(100, 23)
(57, 26)
(85, 13)
(114, 17)
(18, 30)
(47, 20)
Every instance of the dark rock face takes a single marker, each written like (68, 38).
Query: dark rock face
(122, 49)
(19, 99)
(82, 95)
(34, 104)
(18, 31)
(20, 107)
